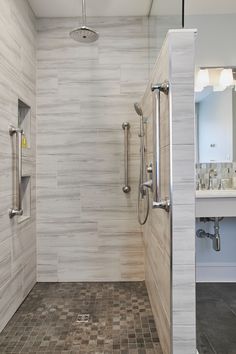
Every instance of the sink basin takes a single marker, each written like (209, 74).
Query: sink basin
(216, 203)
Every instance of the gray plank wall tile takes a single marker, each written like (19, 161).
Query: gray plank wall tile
(183, 287)
(87, 227)
(17, 80)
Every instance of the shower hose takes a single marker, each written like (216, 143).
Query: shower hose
(143, 192)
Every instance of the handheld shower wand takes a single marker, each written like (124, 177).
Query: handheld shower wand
(143, 193)
(138, 109)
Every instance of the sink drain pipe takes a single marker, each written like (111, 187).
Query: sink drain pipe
(214, 237)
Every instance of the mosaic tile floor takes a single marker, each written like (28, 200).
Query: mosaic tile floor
(120, 320)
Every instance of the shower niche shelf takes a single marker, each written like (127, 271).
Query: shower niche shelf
(26, 198)
(24, 122)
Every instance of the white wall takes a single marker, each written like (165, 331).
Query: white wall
(215, 44)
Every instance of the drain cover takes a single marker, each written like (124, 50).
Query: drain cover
(83, 318)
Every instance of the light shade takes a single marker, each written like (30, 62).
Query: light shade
(202, 78)
(226, 78)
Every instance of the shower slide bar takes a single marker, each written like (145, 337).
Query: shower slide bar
(126, 188)
(157, 90)
(17, 208)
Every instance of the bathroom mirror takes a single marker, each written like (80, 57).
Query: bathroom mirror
(216, 124)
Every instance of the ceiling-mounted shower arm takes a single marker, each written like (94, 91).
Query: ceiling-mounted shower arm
(84, 13)
(83, 33)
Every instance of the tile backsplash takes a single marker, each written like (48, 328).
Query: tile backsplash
(215, 176)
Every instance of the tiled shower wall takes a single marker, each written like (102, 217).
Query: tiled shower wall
(86, 226)
(17, 80)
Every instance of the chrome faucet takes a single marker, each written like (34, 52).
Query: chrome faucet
(221, 185)
(212, 173)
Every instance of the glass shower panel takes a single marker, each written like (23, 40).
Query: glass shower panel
(164, 15)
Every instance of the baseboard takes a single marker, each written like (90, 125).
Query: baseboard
(216, 272)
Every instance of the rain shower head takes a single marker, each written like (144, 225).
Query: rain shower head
(84, 34)
(138, 109)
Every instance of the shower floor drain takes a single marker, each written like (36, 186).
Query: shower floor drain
(83, 318)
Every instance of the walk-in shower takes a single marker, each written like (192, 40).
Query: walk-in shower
(84, 34)
(143, 193)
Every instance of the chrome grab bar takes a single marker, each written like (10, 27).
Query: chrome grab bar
(156, 175)
(17, 209)
(126, 188)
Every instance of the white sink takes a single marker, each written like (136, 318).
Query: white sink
(226, 193)
(212, 203)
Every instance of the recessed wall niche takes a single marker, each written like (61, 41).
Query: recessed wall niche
(25, 197)
(24, 122)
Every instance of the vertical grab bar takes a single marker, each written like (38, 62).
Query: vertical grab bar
(17, 208)
(156, 184)
(126, 188)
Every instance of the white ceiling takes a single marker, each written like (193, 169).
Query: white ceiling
(215, 7)
(194, 7)
(72, 8)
